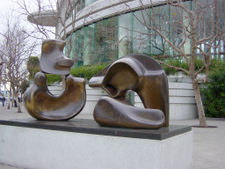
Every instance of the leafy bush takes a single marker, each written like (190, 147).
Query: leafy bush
(53, 78)
(174, 62)
(214, 92)
(33, 66)
(24, 85)
(180, 63)
(87, 71)
(83, 71)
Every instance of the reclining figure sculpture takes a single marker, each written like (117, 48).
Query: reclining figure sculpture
(39, 102)
(136, 72)
(141, 74)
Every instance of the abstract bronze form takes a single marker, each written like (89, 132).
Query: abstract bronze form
(141, 74)
(53, 60)
(39, 102)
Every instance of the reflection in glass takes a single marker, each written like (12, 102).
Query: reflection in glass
(108, 39)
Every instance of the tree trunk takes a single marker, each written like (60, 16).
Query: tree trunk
(18, 102)
(13, 98)
(18, 105)
(207, 74)
(9, 102)
(9, 99)
(201, 112)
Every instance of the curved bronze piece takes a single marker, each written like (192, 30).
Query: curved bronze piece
(42, 105)
(112, 112)
(52, 58)
(143, 75)
(39, 102)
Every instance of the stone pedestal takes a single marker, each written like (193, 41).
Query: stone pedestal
(82, 144)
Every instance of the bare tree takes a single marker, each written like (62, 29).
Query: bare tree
(191, 30)
(45, 29)
(66, 15)
(34, 9)
(15, 48)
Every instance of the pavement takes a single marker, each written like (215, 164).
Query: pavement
(208, 143)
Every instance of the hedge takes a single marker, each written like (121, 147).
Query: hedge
(90, 70)
(83, 71)
(87, 71)
(214, 92)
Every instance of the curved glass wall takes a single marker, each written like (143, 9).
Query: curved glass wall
(76, 6)
(88, 2)
(94, 44)
(109, 39)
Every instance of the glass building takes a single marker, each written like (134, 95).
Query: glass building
(100, 31)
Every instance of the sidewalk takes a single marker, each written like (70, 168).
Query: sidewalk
(208, 143)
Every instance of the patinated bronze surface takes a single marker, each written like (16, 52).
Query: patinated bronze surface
(143, 75)
(53, 60)
(39, 102)
(42, 105)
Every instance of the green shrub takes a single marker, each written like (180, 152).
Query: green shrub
(214, 92)
(24, 85)
(33, 66)
(180, 63)
(87, 71)
(174, 62)
(53, 78)
(83, 71)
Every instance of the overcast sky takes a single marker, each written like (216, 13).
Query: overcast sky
(9, 9)
(5, 6)
(6, 9)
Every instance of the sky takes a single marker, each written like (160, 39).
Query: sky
(9, 9)
(6, 6)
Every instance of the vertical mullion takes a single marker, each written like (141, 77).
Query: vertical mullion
(169, 28)
(132, 33)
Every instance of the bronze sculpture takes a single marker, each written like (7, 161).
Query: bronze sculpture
(53, 60)
(141, 74)
(39, 102)
(137, 72)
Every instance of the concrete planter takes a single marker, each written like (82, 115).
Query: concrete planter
(181, 98)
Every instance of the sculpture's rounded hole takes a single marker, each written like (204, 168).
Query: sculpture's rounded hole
(111, 89)
(137, 100)
(120, 78)
(56, 88)
(134, 99)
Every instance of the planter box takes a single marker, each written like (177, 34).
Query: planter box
(181, 100)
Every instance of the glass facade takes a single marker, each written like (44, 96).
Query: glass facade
(77, 5)
(94, 44)
(109, 39)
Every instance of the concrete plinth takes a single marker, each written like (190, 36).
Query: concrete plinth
(82, 144)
